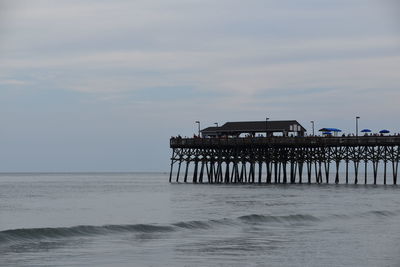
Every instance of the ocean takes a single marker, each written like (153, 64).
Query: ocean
(139, 219)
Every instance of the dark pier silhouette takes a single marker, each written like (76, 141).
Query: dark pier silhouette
(284, 159)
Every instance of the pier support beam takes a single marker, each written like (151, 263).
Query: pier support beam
(375, 164)
(326, 165)
(186, 171)
(337, 172)
(196, 165)
(227, 174)
(201, 171)
(301, 172)
(395, 165)
(356, 164)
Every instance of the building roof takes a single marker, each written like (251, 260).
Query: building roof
(210, 129)
(255, 126)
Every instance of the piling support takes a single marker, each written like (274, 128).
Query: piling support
(309, 170)
(316, 172)
(284, 172)
(375, 164)
(196, 165)
(170, 172)
(232, 175)
(201, 171)
(227, 172)
(292, 172)
(337, 172)
(211, 173)
(179, 170)
(252, 172)
(243, 173)
(301, 172)
(326, 165)
(269, 169)
(319, 171)
(219, 172)
(395, 165)
(186, 171)
(385, 164)
(365, 171)
(356, 164)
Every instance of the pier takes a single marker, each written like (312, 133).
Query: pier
(284, 159)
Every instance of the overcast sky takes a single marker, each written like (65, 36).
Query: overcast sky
(100, 85)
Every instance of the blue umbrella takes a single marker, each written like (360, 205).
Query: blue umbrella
(330, 130)
(366, 131)
(384, 131)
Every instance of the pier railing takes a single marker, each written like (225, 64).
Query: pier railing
(285, 141)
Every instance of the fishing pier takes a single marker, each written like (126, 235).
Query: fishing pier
(284, 159)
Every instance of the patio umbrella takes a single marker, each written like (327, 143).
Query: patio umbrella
(384, 131)
(366, 131)
(330, 130)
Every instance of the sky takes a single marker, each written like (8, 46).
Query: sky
(96, 85)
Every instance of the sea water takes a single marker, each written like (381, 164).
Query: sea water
(139, 219)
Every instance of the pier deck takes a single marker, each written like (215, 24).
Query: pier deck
(284, 142)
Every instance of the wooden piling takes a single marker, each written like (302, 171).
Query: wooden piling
(365, 171)
(337, 172)
(196, 163)
(356, 164)
(172, 165)
(201, 171)
(186, 171)
(301, 172)
(326, 165)
(179, 170)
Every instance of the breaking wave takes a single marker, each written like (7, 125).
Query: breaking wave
(295, 218)
(32, 234)
(25, 234)
(37, 234)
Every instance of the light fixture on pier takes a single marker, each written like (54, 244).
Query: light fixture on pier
(312, 123)
(216, 123)
(357, 118)
(198, 122)
(266, 127)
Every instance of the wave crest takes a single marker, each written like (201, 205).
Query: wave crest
(32, 234)
(194, 225)
(295, 218)
(25, 234)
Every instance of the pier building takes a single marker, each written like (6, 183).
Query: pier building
(252, 128)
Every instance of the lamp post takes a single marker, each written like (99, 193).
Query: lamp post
(312, 123)
(216, 123)
(266, 127)
(357, 118)
(198, 122)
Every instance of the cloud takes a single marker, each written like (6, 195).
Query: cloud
(13, 82)
(307, 64)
